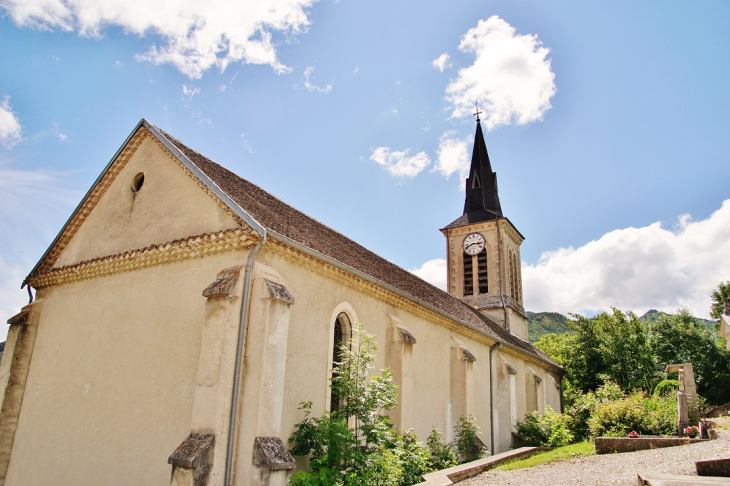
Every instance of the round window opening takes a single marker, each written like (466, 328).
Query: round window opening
(137, 182)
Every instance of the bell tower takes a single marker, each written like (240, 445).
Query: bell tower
(483, 248)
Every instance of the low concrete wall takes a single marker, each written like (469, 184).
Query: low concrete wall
(452, 475)
(607, 445)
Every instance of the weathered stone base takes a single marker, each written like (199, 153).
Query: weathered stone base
(607, 445)
(680, 480)
(716, 467)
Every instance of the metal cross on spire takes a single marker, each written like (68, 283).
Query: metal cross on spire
(476, 104)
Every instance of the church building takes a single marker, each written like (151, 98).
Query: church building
(182, 314)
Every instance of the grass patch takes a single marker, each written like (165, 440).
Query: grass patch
(571, 451)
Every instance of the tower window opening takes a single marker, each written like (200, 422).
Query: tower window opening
(482, 272)
(468, 275)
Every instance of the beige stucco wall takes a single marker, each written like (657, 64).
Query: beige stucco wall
(169, 206)
(111, 385)
(319, 298)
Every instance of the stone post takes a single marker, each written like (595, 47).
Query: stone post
(261, 456)
(399, 358)
(200, 459)
(14, 375)
(682, 405)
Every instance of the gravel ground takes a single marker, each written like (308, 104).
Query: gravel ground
(611, 469)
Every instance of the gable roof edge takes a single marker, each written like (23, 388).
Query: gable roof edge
(357, 273)
(81, 203)
(258, 227)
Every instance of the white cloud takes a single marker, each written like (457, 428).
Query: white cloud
(433, 272)
(511, 77)
(453, 156)
(635, 269)
(440, 62)
(190, 91)
(195, 35)
(9, 124)
(399, 164)
(357, 68)
(311, 87)
(118, 64)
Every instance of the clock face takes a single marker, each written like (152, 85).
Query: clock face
(473, 244)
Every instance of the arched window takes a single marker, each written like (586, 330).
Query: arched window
(342, 335)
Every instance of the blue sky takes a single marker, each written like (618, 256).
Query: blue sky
(607, 126)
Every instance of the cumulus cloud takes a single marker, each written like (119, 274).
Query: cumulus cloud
(400, 164)
(453, 155)
(511, 77)
(313, 88)
(433, 272)
(442, 62)
(9, 124)
(195, 35)
(636, 269)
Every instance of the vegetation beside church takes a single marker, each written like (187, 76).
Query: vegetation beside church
(356, 444)
(614, 379)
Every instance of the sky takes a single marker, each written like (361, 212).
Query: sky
(605, 122)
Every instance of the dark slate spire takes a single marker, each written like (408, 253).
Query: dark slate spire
(482, 200)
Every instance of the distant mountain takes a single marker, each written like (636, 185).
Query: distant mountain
(654, 315)
(541, 323)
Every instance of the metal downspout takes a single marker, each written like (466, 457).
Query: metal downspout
(239, 355)
(491, 392)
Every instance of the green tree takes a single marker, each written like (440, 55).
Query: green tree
(719, 297)
(611, 345)
(682, 338)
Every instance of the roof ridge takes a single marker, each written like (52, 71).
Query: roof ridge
(280, 217)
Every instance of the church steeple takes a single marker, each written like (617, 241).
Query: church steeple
(482, 199)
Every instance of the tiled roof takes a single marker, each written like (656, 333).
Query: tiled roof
(277, 216)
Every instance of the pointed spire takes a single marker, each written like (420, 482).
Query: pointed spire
(482, 199)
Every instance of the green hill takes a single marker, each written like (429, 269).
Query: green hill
(541, 323)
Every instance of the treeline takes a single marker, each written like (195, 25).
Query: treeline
(620, 347)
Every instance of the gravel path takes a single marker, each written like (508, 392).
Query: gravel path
(610, 469)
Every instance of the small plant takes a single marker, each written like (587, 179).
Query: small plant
(634, 434)
(468, 444)
(549, 430)
(442, 455)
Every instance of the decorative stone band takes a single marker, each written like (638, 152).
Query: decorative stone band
(369, 288)
(178, 250)
(101, 187)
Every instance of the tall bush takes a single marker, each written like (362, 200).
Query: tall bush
(548, 430)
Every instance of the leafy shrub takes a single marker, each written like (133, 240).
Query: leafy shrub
(549, 430)
(581, 406)
(648, 416)
(414, 458)
(468, 444)
(442, 455)
(666, 388)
